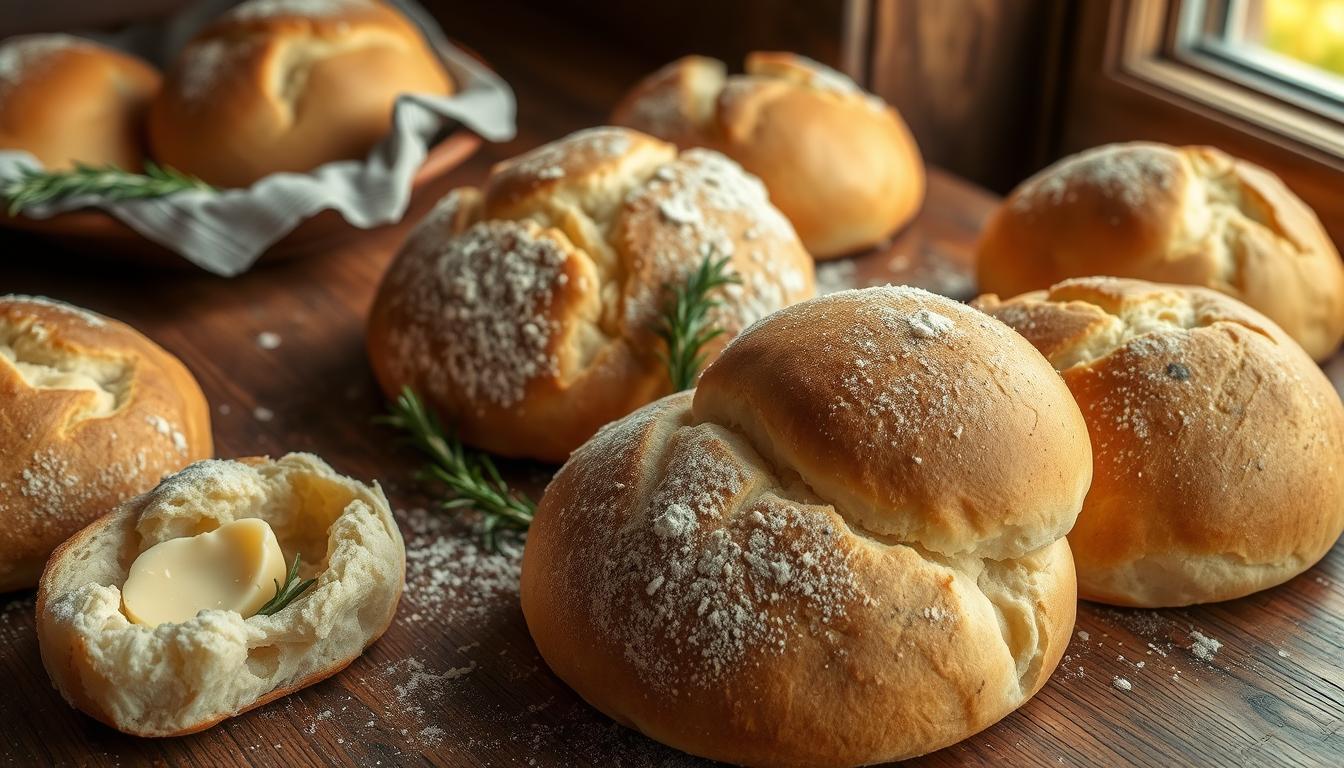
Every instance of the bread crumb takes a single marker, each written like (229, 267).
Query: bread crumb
(1121, 684)
(268, 340)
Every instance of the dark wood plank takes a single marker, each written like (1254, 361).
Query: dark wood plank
(456, 680)
(975, 81)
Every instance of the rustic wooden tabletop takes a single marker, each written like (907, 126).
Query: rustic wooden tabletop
(456, 680)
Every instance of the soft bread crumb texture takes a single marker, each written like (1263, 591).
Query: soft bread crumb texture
(179, 678)
(865, 498)
(1218, 443)
(525, 312)
(91, 414)
(1187, 215)
(839, 163)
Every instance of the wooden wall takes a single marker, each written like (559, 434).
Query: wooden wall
(977, 80)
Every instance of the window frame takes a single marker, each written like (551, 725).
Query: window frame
(1134, 77)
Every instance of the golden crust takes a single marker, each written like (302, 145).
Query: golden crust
(915, 418)
(267, 89)
(1218, 444)
(1189, 215)
(68, 100)
(693, 582)
(72, 454)
(840, 164)
(525, 313)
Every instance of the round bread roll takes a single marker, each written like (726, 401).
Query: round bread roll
(846, 548)
(1218, 444)
(1188, 215)
(526, 313)
(91, 413)
(175, 679)
(287, 85)
(67, 100)
(839, 162)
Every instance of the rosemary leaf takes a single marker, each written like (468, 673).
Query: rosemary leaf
(33, 186)
(285, 595)
(685, 327)
(470, 478)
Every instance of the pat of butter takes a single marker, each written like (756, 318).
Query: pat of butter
(232, 568)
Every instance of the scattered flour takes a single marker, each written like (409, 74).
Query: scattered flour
(1203, 646)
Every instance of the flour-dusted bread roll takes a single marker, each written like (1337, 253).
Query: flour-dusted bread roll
(68, 100)
(846, 547)
(526, 313)
(287, 85)
(1188, 215)
(839, 162)
(1218, 444)
(178, 678)
(91, 413)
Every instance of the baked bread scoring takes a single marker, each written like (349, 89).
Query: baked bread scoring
(287, 85)
(845, 547)
(526, 312)
(68, 100)
(839, 163)
(1186, 215)
(91, 414)
(183, 677)
(1218, 444)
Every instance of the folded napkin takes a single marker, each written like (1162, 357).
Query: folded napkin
(225, 232)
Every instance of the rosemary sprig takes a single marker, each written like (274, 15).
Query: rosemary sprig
(285, 595)
(34, 185)
(685, 326)
(471, 478)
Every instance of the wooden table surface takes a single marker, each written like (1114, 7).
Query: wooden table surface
(456, 680)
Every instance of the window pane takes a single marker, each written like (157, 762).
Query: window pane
(1310, 31)
(1295, 43)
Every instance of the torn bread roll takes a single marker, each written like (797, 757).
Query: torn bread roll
(846, 547)
(287, 85)
(68, 100)
(526, 313)
(1218, 444)
(1186, 215)
(178, 678)
(91, 414)
(839, 163)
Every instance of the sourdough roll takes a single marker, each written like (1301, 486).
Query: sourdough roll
(526, 312)
(181, 677)
(846, 547)
(68, 100)
(1188, 215)
(838, 162)
(287, 85)
(1218, 445)
(91, 413)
